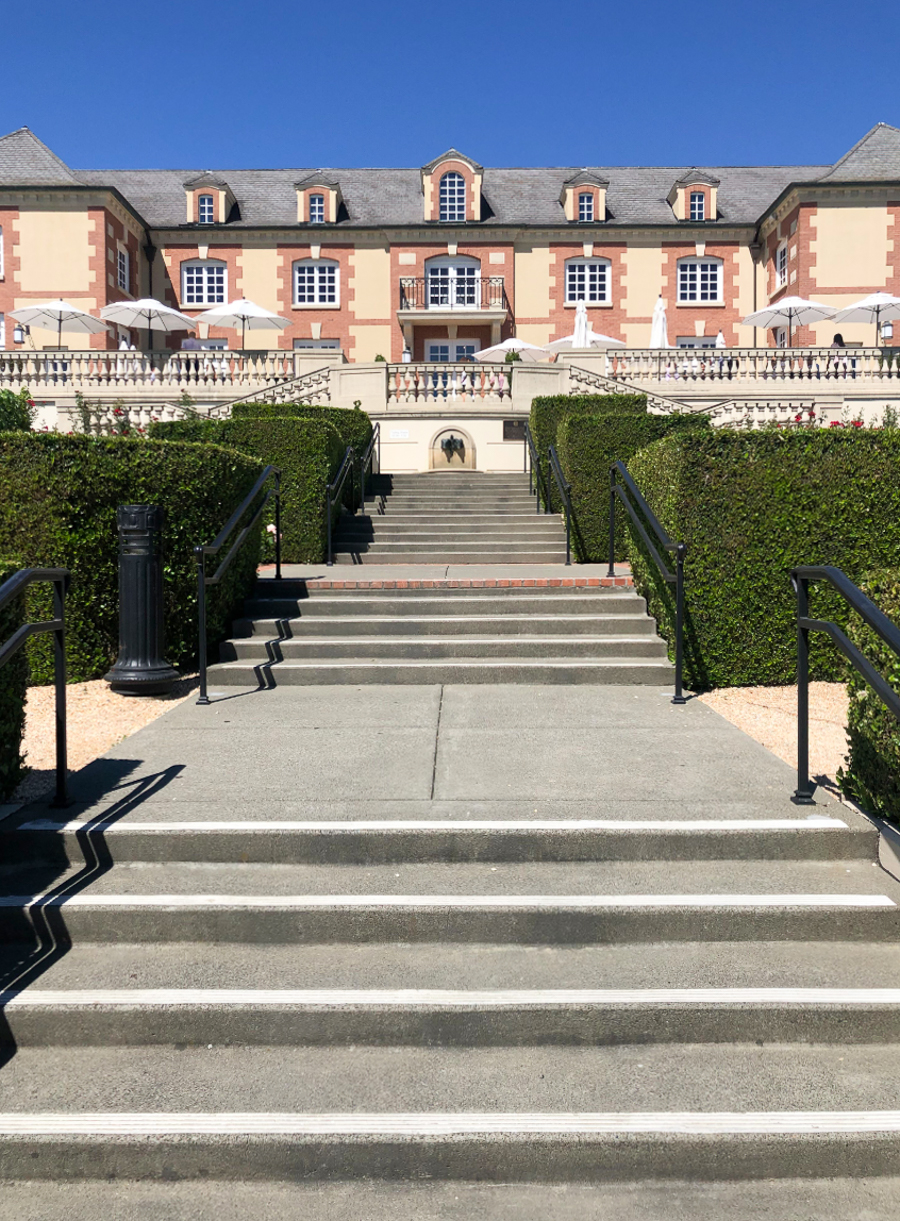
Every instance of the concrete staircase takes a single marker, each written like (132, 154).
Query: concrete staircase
(247, 1004)
(456, 517)
(291, 634)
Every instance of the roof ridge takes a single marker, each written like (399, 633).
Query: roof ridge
(859, 144)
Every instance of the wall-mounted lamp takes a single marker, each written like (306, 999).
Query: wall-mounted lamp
(19, 332)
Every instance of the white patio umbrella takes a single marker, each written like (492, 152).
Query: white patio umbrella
(720, 341)
(150, 314)
(790, 311)
(528, 352)
(583, 336)
(59, 314)
(244, 314)
(878, 308)
(659, 327)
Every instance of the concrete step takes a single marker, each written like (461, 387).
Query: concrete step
(375, 626)
(535, 903)
(258, 649)
(512, 602)
(853, 1199)
(549, 555)
(364, 669)
(525, 527)
(539, 1114)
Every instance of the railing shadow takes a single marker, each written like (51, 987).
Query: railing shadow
(33, 932)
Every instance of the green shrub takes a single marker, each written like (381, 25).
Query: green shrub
(13, 680)
(17, 411)
(751, 506)
(548, 412)
(872, 775)
(58, 509)
(306, 450)
(588, 446)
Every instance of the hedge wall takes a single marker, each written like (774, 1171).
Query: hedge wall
(307, 451)
(750, 506)
(588, 446)
(548, 412)
(872, 775)
(13, 679)
(60, 496)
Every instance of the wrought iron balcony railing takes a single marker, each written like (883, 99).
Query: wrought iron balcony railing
(440, 292)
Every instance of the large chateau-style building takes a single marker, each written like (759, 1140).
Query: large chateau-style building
(447, 258)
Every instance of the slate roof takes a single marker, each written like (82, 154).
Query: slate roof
(637, 195)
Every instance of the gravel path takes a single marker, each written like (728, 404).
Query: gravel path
(769, 714)
(97, 719)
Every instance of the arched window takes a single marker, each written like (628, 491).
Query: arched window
(317, 282)
(452, 282)
(204, 282)
(453, 197)
(205, 210)
(699, 280)
(588, 280)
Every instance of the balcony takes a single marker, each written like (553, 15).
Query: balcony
(452, 298)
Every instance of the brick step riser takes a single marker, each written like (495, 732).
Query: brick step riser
(260, 651)
(442, 555)
(299, 629)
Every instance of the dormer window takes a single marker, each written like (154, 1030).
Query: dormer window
(317, 209)
(205, 209)
(453, 197)
(698, 205)
(586, 205)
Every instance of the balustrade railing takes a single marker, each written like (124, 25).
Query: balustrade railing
(752, 364)
(463, 292)
(441, 383)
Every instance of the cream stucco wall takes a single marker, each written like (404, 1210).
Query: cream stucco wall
(533, 281)
(257, 280)
(535, 332)
(367, 342)
(745, 267)
(370, 280)
(642, 282)
(54, 249)
(850, 246)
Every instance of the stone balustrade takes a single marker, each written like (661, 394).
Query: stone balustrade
(759, 365)
(449, 383)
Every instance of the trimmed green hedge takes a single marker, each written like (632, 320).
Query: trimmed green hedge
(58, 509)
(588, 445)
(548, 411)
(872, 775)
(13, 680)
(751, 506)
(307, 451)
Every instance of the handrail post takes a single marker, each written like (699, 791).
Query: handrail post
(329, 558)
(203, 698)
(611, 572)
(61, 799)
(804, 791)
(278, 526)
(678, 697)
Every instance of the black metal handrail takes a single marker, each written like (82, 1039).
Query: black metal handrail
(532, 462)
(12, 588)
(876, 619)
(333, 494)
(564, 488)
(365, 464)
(434, 292)
(621, 491)
(213, 548)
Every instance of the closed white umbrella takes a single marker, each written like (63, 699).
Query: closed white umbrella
(59, 314)
(150, 314)
(878, 308)
(659, 327)
(244, 314)
(583, 335)
(720, 341)
(790, 311)
(529, 352)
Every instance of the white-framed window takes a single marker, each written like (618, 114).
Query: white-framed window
(306, 344)
(781, 265)
(2, 332)
(316, 282)
(453, 197)
(587, 280)
(123, 276)
(452, 282)
(586, 206)
(317, 209)
(204, 282)
(698, 205)
(692, 341)
(205, 209)
(2, 272)
(445, 351)
(781, 337)
(700, 280)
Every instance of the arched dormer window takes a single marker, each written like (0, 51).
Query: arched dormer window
(588, 280)
(453, 197)
(317, 282)
(205, 209)
(452, 282)
(699, 281)
(204, 282)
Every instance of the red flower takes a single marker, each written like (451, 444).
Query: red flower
(835, 424)
(857, 423)
(798, 417)
(117, 411)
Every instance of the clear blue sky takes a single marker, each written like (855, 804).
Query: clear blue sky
(380, 82)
